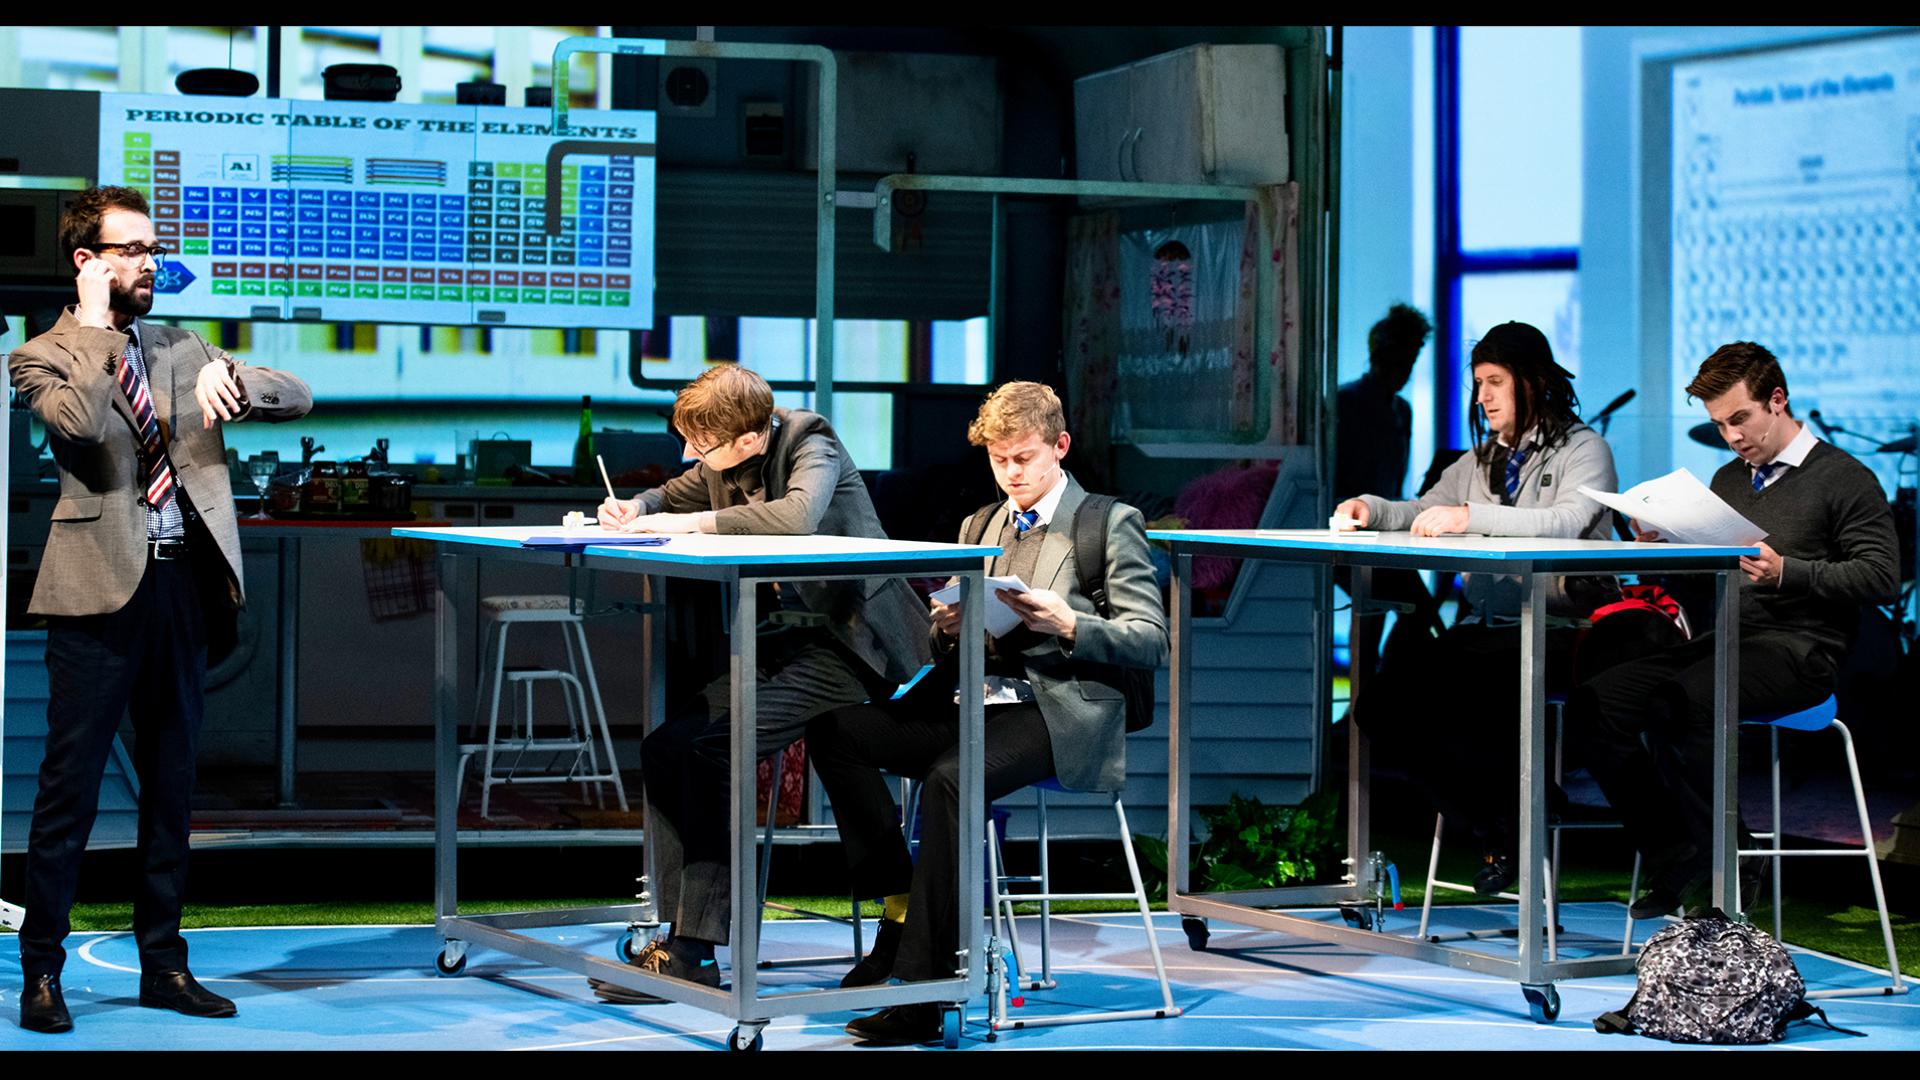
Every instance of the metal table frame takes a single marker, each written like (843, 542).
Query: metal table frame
(743, 1003)
(1532, 969)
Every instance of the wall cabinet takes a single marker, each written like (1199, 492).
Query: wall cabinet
(1209, 114)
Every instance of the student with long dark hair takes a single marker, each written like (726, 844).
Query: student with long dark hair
(1450, 710)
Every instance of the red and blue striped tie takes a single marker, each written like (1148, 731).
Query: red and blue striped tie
(159, 469)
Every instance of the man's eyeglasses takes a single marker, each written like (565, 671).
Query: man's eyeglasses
(138, 250)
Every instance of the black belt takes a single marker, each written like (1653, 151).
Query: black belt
(167, 550)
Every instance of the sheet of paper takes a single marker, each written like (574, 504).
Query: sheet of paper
(592, 534)
(998, 617)
(1683, 510)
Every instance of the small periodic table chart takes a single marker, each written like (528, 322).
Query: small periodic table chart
(352, 211)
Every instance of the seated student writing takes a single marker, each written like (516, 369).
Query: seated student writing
(1450, 709)
(760, 470)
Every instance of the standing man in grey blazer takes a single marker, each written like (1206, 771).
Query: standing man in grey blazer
(1056, 700)
(765, 471)
(141, 573)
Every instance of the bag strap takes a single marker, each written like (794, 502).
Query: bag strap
(1806, 1010)
(975, 529)
(1614, 1023)
(1090, 550)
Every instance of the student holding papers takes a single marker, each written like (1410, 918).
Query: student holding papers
(1524, 477)
(764, 471)
(1829, 549)
(1057, 701)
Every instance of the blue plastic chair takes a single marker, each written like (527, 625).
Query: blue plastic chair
(1820, 718)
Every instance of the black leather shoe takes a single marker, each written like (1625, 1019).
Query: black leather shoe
(1682, 888)
(42, 1008)
(178, 991)
(877, 967)
(1497, 876)
(657, 957)
(901, 1025)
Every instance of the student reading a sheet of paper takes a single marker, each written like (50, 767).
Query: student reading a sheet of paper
(1829, 550)
(759, 470)
(1060, 678)
(1449, 709)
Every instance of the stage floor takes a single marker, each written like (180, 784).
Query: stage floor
(374, 988)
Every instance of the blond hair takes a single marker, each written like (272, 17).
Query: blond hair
(1016, 409)
(725, 402)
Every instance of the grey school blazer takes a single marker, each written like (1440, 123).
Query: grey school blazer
(813, 487)
(96, 550)
(1087, 719)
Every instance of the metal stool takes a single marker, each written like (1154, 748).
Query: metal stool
(999, 978)
(579, 689)
(766, 869)
(1819, 718)
(1550, 865)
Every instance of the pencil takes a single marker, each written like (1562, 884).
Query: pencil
(603, 477)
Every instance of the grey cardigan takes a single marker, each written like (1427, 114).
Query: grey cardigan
(1549, 503)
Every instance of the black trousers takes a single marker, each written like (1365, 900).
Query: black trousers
(918, 737)
(1448, 712)
(148, 659)
(1645, 731)
(803, 672)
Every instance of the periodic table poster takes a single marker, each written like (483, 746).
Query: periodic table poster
(377, 212)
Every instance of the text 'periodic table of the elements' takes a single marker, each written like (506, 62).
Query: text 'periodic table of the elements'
(377, 212)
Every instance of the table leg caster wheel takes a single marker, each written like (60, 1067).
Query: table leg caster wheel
(624, 946)
(1197, 933)
(452, 959)
(746, 1037)
(1358, 914)
(950, 1023)
(1543, 1002)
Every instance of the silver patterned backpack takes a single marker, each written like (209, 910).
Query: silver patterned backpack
(1709, 979)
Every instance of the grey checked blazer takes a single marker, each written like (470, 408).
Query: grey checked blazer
(96, 550)
(813, 487)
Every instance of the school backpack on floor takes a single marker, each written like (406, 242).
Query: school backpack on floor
(1709, 979)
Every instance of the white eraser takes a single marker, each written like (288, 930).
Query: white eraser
(574, 520)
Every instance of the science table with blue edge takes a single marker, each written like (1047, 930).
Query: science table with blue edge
(1534, 562)
(742, 562)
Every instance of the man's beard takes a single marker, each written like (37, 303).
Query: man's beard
(129, 301)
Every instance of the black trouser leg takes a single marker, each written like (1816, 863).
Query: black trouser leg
(1663, 791)
(1449, 714)
(96, 665)
(918, 738)
(167, 707)
(688, 775)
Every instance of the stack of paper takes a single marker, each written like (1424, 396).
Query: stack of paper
(1682, 509)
